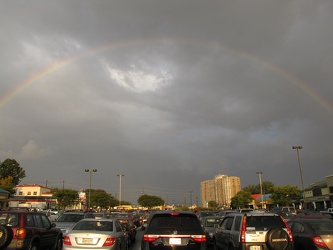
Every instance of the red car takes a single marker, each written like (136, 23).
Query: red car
(28, 230)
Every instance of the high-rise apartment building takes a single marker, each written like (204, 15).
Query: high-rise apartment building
(220, 190)
(207, 192)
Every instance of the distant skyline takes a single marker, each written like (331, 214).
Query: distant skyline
(168, 93)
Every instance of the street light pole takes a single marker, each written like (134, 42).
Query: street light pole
(300, 172)
(90, 171)
(120, 175)
(260, 183)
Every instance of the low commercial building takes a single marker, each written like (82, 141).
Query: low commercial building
(32, 196)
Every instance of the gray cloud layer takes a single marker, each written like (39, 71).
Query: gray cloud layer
(169, 93)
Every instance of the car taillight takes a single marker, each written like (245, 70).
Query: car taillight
(67, 241)
(20, 233)
(319, 241)
(150, 238)
(109, 242)
(242, 235)
(199, 238)
(288, 229)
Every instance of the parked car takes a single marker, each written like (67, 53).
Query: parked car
(205, 213)
(225, 212)
(285, 211)
(312, 232)
(134, 217)
(67, 219)
(255, 231)
(21, 229)
(105, 234)
(144, 220)
(129, 228)
(173, 230)
(209, 224)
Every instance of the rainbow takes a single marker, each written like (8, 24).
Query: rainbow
(63, 63)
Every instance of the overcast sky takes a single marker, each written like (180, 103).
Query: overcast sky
(168, 93)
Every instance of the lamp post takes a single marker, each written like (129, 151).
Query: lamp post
(300, 171)
(120, 175)
(260, 183)
(90, 171)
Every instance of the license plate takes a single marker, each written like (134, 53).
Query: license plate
(255, 247)
(87, 241)
(175, 241)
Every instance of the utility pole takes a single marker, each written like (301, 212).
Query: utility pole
(300, 172)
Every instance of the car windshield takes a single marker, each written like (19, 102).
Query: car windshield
(70, 217)
(94, 226)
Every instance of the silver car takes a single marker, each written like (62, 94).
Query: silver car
(96, 234)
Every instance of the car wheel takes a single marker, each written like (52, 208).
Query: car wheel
(277, 239)
(58, 244)
(6, 236)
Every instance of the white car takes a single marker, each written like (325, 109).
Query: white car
(105, 234)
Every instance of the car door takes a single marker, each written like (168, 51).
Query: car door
(223, 232)
(226, 232)
(300, 235)
(120, 235)
(46, 233)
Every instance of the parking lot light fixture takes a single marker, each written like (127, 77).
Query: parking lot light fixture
(120, 175)
(260, 183)
(300, 172)
(90, 172)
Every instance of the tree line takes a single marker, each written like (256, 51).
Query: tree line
(279, 195)
(11, 174)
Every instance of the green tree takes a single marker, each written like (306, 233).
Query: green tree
(285, 195)
(113, 201)
(241, 200)
(7, 184)
(212, 204)
(267, 188)
(150, 201)
(252, 189)
(11, 167)
(98, 198)
(65, 197)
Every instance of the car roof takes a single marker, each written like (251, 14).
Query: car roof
(100, 219)
(311, 217)
(173, 211)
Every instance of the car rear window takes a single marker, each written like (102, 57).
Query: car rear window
(180, 223)
(321, 225)
(94, 225)
(70, 217)
(264, 222)
(212, 222)
(9, 219)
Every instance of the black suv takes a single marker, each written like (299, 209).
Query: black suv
(174, 230)
(253, 231)
(28, 230)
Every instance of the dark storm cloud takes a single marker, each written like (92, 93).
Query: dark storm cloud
(169, 93)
